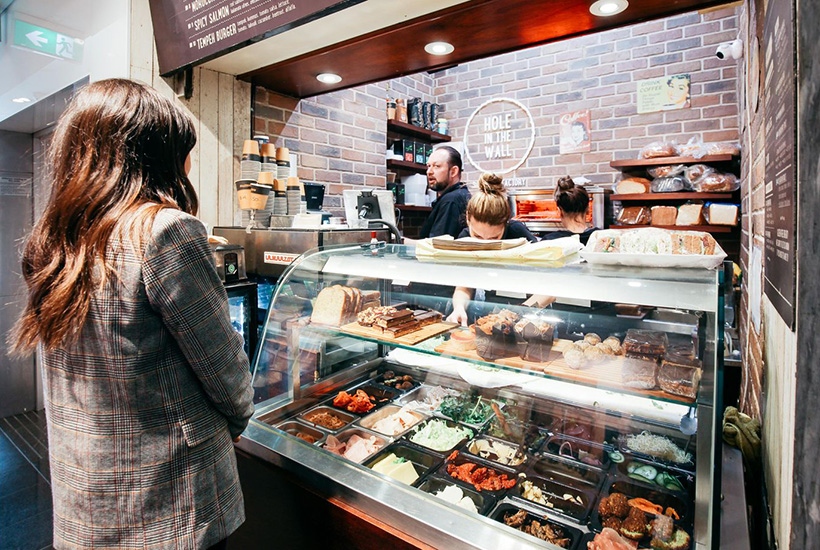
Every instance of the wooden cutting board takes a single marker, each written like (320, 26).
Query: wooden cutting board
(409, 339)
(605, 375)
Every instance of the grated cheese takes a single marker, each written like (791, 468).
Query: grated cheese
(657, 446)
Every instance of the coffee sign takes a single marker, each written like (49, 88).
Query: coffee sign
(499, 136)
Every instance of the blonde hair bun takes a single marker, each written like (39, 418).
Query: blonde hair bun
(490, 183)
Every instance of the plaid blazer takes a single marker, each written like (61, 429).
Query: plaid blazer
(142, 408)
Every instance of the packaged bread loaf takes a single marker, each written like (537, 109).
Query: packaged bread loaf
(722, 149)
(664, 215)
(671, 184)
(679, 375)
(717, 182)
(629, 186)
(722, 214)
(696, 171)
(634, 215)
(659, 149)
(690, 214)
(666, 171)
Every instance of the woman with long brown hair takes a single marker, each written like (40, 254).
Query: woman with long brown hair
(145, 380)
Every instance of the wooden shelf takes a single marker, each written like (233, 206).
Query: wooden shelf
(414, 208)
(663, 161)
(704, 228)
(674, 196)
(410, 130)
(403, 165)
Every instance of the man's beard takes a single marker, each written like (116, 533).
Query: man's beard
(438, 185)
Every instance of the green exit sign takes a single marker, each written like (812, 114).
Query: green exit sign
(44, 40)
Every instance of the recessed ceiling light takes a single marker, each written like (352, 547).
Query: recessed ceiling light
(605, 8)
(439, 48)
(329, 78)
(21, 100)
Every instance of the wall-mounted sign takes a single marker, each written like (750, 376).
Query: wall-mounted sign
(194, 31)
(574, 128)
(44, 40)
(499, 136)
(664, 94)
(781, 192)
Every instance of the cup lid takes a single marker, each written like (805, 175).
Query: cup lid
(268, 150)
(261, 188)
(266, 178)
(250, 147)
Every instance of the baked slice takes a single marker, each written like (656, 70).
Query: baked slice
(331, 306)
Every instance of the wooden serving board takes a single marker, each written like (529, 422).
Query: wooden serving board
(605, 375)
(409, 339)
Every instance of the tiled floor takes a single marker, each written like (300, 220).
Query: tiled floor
(25, 488)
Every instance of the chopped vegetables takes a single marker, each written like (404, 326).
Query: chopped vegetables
(616, 457)
(653, 476)
(658, 447)
(646, 506)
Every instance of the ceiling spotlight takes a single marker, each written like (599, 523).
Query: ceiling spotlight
(605, 8)
(439, 48)
(329, 78)
(21, 100)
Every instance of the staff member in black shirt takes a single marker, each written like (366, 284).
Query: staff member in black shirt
(444, 177)
(573, 204)
(488, 218)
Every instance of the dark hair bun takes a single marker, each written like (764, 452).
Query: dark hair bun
(565, 183)
(491, 184)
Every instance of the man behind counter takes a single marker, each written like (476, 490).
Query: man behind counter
(444, 177)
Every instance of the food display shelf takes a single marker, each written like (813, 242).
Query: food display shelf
(664, 161)
(575, 427)
(684, 196)
(705, 228)
(403, 165)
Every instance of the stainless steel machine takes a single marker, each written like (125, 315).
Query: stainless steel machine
(536, 208)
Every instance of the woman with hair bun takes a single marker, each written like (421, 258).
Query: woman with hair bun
(488, 218)
(489, 213)
(573, 204)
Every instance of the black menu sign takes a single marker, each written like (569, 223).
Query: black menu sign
(779, 97)
(194, 31)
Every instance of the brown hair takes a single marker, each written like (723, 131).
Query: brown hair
(490, 204)
(572, 199)
(119, 146)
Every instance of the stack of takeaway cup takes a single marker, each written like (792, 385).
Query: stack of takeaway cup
(263, 216)
(280, 201)
(294, 196)
(249, 166)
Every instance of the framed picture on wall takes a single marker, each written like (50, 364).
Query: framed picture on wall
(665, 93)
(575, 132)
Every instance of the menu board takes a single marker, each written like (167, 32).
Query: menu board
(193, 31)
(780, 126)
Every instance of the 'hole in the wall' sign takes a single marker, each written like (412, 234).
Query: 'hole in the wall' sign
(499, 136)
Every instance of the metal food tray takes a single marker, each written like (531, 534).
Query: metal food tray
(419, 394)
(687, 479)
(346, 416)
(376, 390)
(507, 505)
(368, 421)
(562, 470)
(449, 424)
(517, 467)
(578, 513)
(434, 483)
(349, 432)
(424, 463)
(291, 426)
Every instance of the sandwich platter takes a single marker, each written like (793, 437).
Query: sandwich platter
(653, 247)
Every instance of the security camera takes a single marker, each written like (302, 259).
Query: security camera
(733, 49)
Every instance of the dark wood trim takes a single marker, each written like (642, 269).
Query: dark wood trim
(405, 129)
(664, 161)
(394, 164)
(704, 228)
(649, 197)
(414, 208)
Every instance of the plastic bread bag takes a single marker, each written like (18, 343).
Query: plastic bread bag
(722, 148)
(716, 182)
(639, 373)
(634, 215)
(659, 149)
(697, 171)
(669, 185)
(667, 171)
(679, 377)
(693, 148)
(721, 214)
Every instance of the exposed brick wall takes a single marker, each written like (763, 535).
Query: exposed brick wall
(598, 72)
(339, 137)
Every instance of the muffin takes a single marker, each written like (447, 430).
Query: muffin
(495, 335)
(534, 339)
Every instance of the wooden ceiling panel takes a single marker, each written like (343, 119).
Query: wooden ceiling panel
(477, 29)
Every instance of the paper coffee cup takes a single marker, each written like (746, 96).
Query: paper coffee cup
(250, 150)
(244, 192)
(266, 177)
(259, 195)
(283, 154)
(268, 152)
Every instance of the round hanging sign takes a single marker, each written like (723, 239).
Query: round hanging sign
(499, 136)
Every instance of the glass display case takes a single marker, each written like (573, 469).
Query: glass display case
(528, 426)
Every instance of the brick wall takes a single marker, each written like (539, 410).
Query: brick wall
(339, 137)
(598, 72)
